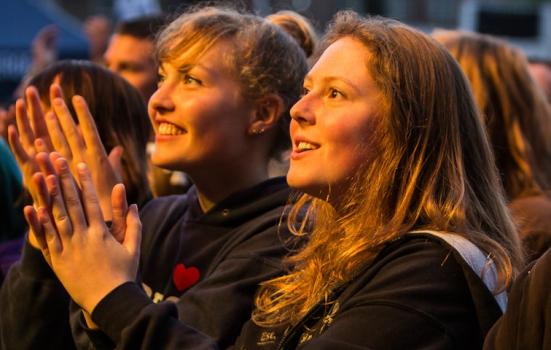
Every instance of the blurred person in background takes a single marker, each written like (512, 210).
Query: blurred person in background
(541, 72)
(517, 117)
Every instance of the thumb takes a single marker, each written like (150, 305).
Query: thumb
(133, 236)
(115, 159)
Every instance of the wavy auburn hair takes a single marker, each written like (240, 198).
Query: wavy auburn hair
(513, 108)
(433, 170)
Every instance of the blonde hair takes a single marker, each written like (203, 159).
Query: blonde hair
(433, 169)
(513, 108)
(264, 59)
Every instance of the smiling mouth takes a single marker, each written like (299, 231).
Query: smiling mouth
(304, 146)
(167, 129)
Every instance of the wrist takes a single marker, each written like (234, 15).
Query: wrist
(99, 293)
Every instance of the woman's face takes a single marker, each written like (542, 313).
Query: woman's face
(199, 115)
(332, 124)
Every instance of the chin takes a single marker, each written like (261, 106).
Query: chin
(163, 162)
(306, 185)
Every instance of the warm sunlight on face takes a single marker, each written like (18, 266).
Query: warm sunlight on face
(332, 123)
(199, 115)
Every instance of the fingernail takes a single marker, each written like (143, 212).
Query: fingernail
(82, 167)
(62, 163)
(58, 102)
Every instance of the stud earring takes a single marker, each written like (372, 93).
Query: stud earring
(257, 131)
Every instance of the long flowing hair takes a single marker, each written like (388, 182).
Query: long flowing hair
(432, 169)
(513, 108)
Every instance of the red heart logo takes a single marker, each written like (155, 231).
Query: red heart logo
(184, 278)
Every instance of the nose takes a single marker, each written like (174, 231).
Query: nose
(161, 101)
(302, 112)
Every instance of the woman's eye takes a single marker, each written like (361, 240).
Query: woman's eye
(304, 92)
(160, 79)
(188, 79)
(334, 93)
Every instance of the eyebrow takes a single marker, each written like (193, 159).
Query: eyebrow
(330, 79)
(190, 66)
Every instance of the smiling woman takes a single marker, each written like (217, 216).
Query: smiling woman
(410, 242)
(220, 114)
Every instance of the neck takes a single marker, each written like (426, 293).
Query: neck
(212, 188)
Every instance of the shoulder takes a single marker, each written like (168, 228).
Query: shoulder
(526, 322)
(423, 278)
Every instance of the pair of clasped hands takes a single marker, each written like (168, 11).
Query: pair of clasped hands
(76, 188)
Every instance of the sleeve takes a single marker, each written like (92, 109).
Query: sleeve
(209, 315)
(527, 322)
(415, 298)
(35, 306)
(130, 318)
(85, 337)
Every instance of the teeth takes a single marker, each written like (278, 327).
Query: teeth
(305, 146)
(169, 129)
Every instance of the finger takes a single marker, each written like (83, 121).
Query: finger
(21, 155)
(23, 127)
(120, 209)
(55, 91)
(71, 196)
(53, 240)
(35, 227)
(89, 196)
(27, 164)
(87, 125)
(45, 162)
(37, 115)
(133, 235)
(69, 128)
(41, 146)
(41, 195)
(57, 137)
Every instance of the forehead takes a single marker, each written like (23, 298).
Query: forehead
(218, 56)
(346, 56)
(130, 47)
(346, 59)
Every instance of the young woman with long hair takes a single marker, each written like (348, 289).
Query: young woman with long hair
(517, 118)
(410, 244)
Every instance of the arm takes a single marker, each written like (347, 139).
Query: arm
(34, 306)
(80, 237)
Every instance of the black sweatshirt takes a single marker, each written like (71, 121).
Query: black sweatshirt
(417, 293)
(210, 263)
(527, 322)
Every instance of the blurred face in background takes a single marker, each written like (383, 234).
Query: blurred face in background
(132, 58)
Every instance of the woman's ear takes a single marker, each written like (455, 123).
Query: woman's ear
(268, 110)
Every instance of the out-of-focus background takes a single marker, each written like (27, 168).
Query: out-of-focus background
(525, 23)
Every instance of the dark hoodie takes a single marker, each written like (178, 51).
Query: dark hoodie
(527, 322)
(418, 293)
(210, 264)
